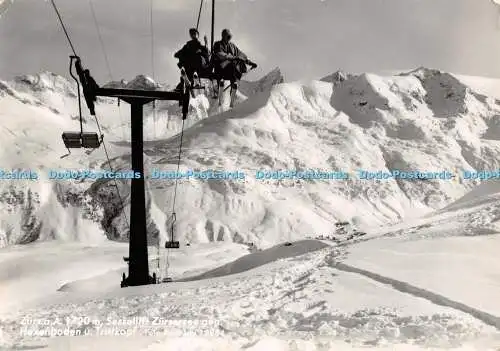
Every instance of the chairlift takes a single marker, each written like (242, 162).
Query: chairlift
(138, 260)
(77, 140)
(81, 139)
(209, 73)
(171, 244)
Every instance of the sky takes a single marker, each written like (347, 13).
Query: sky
(307, 39)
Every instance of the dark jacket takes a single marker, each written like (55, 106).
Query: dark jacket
(192, 50)
(224, 52)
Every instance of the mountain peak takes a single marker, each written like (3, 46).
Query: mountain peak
(337, 77)
(116, 84)
(274, 77)
(142, 82)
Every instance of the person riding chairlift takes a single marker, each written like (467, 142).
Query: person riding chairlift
(229, 62)
(193, 57)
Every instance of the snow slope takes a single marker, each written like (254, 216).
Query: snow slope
(305, 302)
(32, 273)
(483, 85)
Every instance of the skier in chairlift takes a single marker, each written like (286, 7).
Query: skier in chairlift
(193, 57)
(229, 62)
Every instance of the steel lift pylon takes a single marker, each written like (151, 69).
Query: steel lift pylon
(138, 263)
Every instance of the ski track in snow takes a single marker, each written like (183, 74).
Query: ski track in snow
(310, 297)
(425, 294)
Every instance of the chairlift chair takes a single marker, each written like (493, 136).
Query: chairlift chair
(81, 139)
(172, 244)
(77, 140)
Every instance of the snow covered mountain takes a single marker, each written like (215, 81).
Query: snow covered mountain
(427, 277)
(37, 109)
(422, 120)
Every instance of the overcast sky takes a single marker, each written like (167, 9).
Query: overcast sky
(305, 38)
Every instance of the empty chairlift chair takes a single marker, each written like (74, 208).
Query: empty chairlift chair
(172, 244)
(77, 140)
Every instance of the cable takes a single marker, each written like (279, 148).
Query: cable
(199, 15)
(111, 168)
(175, 197)
(152, 37)
(167, 263)
(151, 30)
(103, 48)
(106, 59)
(100, 38)
(63, 27)
(178, 167)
